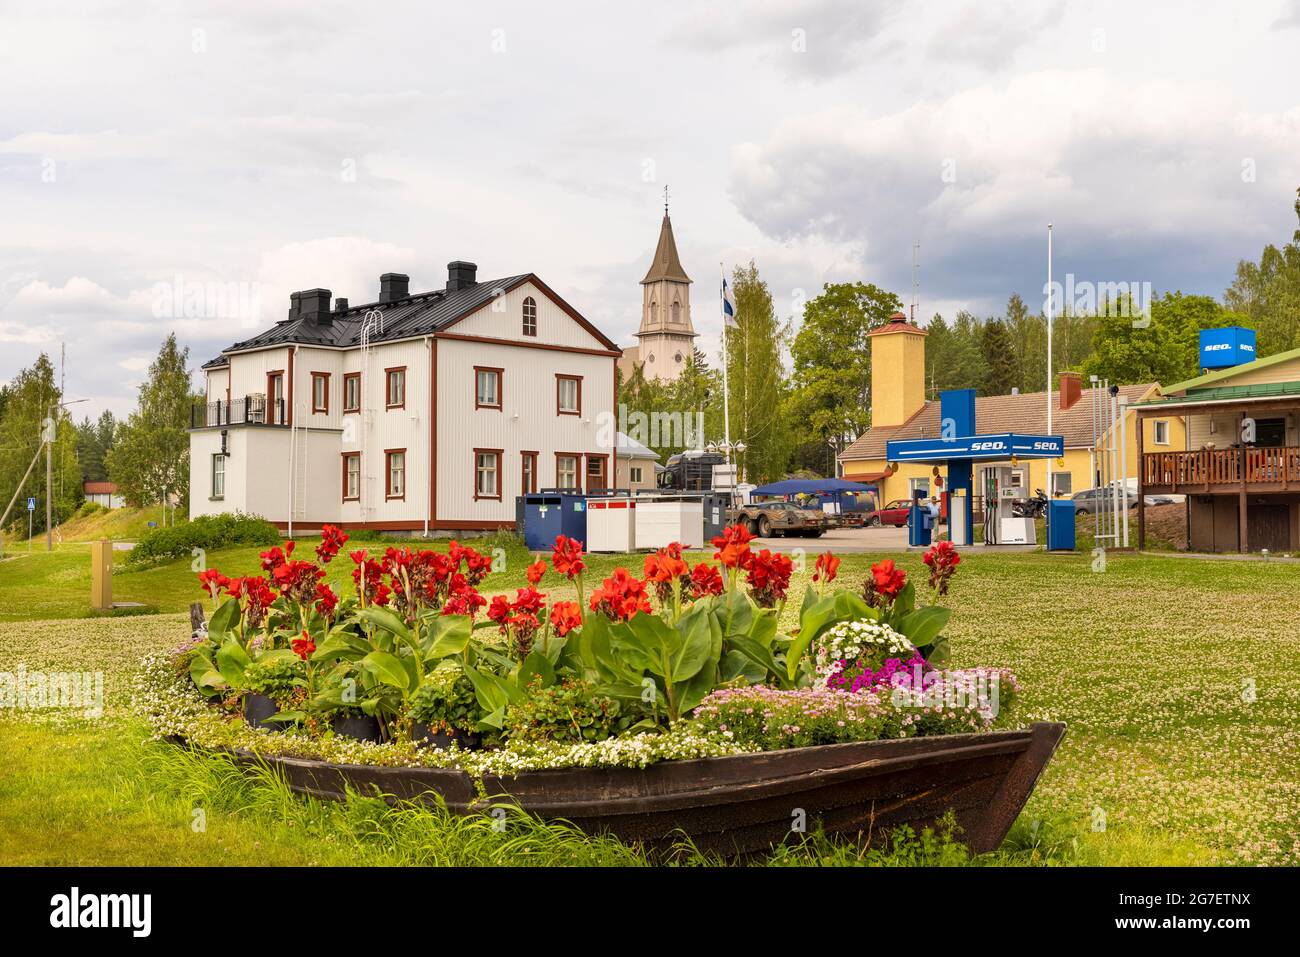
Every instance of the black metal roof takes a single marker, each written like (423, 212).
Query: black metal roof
(415, 315)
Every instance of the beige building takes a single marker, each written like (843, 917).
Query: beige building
(666, 337)
(636, 465)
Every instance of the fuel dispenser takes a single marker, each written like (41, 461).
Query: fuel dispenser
(1001, 494)
(920, 521)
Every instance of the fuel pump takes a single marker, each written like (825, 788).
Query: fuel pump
(1001, 525)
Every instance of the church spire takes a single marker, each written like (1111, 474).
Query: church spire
(666, 264)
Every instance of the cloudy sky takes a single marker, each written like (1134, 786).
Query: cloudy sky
(262, 147)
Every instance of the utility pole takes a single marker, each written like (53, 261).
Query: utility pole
(49, 480)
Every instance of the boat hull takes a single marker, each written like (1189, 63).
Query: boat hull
(741, 804)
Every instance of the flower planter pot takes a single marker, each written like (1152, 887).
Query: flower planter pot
(745, 803)
(363, 728)
(259, 707)
(424, 737)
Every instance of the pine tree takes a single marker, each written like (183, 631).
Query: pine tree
(999, 358)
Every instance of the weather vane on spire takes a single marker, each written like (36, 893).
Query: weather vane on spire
(665, 199)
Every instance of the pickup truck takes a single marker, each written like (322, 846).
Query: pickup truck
(766, 519)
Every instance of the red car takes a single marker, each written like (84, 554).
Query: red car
(895, 513)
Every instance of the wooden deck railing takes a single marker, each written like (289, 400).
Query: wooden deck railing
(1209, 468)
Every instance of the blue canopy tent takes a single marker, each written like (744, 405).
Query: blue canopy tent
(838, 491)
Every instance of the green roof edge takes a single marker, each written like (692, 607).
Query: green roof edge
(1209, 377)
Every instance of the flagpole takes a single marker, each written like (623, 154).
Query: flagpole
(1050, 296)
(726, 391)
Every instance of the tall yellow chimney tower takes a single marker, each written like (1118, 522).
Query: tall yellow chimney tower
(897, 372)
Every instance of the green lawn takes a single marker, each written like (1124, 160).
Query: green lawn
(1177, 677)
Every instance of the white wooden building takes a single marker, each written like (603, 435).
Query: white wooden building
(421, 413)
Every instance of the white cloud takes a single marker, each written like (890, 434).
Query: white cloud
(1122, 170)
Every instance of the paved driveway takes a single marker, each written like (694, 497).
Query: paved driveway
(846, 541)
(843, 541)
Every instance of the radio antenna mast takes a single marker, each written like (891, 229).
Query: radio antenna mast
(916, 280)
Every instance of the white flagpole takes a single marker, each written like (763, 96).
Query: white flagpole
(726, 412)
(1050, 292)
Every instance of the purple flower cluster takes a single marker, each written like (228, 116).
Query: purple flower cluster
(860, 677)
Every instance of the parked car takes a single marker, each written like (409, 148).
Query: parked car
(766, 519)
(1093, 500)
(895, 513)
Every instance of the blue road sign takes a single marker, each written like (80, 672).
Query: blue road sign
(31, 504)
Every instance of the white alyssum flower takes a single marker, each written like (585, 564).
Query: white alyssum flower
(848, 641)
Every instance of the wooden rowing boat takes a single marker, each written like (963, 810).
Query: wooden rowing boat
(741, 804)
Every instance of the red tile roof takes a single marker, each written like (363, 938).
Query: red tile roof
(99, 488)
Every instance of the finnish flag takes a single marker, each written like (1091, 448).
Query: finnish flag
(728, 307)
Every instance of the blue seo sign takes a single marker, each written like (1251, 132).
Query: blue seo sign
(1001, 446)
(1223, 348)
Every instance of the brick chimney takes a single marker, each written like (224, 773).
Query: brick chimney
(393, 286)
(1071, 389)
(460, 275)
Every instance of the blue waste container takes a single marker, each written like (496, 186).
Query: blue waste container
(1060, 525)
(550, 514)
(919, 525)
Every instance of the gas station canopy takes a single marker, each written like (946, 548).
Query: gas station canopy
(999, 446)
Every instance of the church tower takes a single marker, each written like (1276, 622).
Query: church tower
(667, 336)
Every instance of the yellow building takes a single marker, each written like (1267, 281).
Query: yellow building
(899, 410)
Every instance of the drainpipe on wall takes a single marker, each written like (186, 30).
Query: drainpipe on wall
(433, 384)
(290, 399)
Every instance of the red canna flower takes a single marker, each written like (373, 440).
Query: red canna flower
(887, 579)
(769, 577)
(566, 557)
(332, 539)
(536, 570)
(463, 599)
(297, 580)
(942, 559)
(827, 567)
(663, 568)
(565, 616)
(326, 601)
(303, 647)
(274, 557)
(733, 546)
(705, 580)
(254, 595)
(477, 565)
(213, 582)
(499, 611)
(620, 596)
